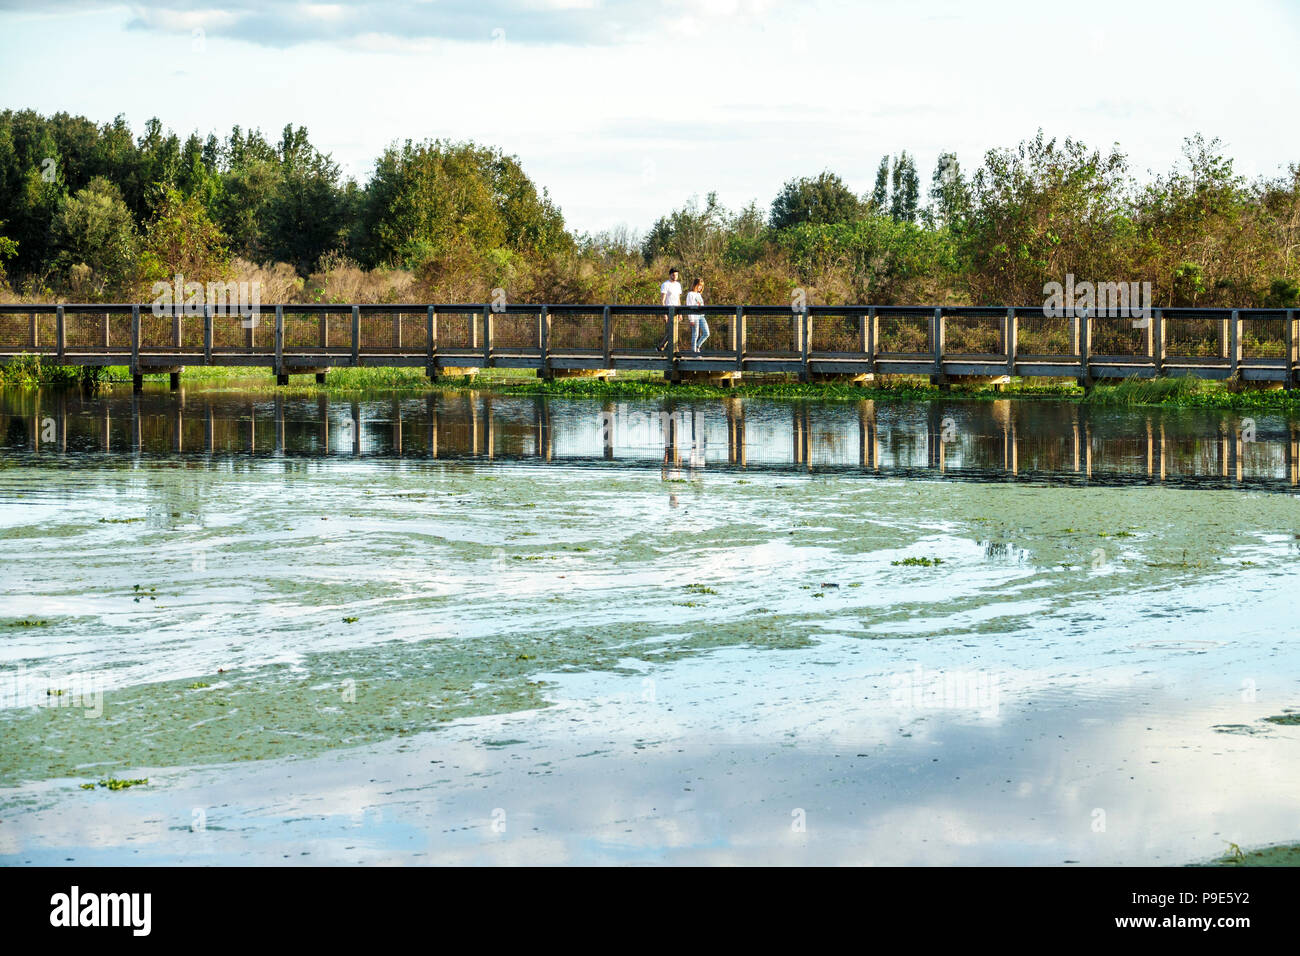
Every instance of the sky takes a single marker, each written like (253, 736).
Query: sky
(625, 110)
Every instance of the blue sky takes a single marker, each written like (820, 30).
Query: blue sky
(626, 109)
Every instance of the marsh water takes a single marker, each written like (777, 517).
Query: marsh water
(469, 627)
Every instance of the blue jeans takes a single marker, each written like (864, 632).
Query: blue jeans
(697, 326)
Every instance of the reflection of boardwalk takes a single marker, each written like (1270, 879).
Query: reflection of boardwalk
(858, 342)
(1000, 439)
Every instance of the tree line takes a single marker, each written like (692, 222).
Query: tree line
(97, 213)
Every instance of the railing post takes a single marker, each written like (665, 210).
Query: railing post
(1012, 334)
(671, 332)
(937, 341)
(176, 328)
(35, 331)
(60, 334)
(487, 335)
(1288, 380)
(544, 338)
(806, 337)
(1158, 341)
(108, 342)
(1234, 343)
(250, 328)
(430, 340)
(207, 333)
(1085, 350)
(323, 333)
(862, 333)
(135, 341)
(606, 337)
(739, 337)
(356, 336)
(873, 331)
(279, 341)
(397, 332)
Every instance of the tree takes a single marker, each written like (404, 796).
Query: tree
(905, 196)
(820, 199)
(182, 240)
(426, 199)
(880, 192)
(306, 208)
(1041, 211)
(94, 228)
(949, 197)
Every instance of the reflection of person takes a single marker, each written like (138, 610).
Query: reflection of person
(670, 293)
(698, 322)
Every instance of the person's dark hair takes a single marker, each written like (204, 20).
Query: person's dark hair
(697, 281)
(672, 270)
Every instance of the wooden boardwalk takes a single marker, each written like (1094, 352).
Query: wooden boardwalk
(946, 343)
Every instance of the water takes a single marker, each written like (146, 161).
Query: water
(476, 628)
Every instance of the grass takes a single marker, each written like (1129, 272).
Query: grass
(1185, 391)
(918, 562)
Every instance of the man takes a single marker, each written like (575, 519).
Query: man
(670, 293)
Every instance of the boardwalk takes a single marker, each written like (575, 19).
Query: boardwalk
(946, 343)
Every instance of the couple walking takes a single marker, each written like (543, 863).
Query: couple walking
(671, 294)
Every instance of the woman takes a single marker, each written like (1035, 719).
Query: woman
(698, 322)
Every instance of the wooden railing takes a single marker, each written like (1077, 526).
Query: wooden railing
(943, 342)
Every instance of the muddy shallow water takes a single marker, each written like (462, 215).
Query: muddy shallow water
(746, 631)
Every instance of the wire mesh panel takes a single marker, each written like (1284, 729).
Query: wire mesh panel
(458, 330)
(638, 331)
(1044, 335)
(903, 334)
(577, 330)
(16, 331)
(516, 330)
(721, 337)
(1118, 335)
(1263, 336)
(158, 332)
(835, 333)
(303, 331)
(1192, 336)
(232, 332)
(96, 331)
(974, 334)
(773, 334)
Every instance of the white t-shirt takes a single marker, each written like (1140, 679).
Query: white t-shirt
(694, 298)
(674, 292)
